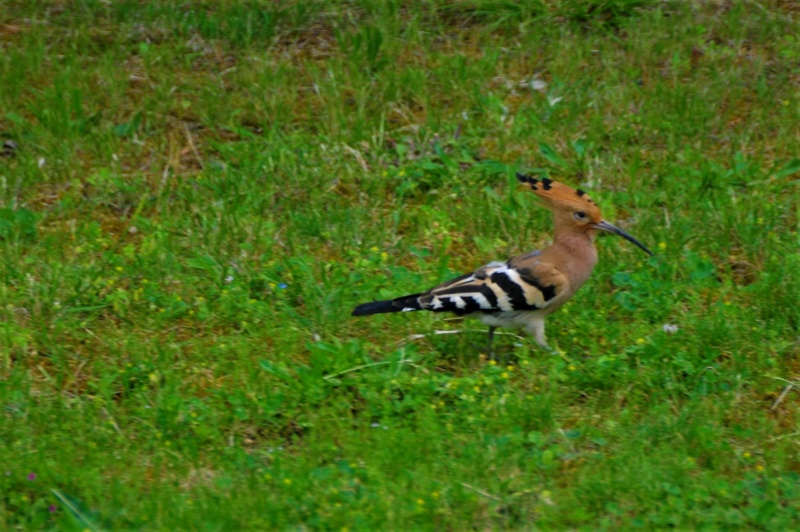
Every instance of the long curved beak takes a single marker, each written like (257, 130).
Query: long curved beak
(611, 228)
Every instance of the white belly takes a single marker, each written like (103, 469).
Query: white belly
(520, 318)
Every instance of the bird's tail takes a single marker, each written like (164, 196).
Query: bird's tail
(401, 304)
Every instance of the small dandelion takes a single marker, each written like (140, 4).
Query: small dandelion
(760, 468)
(662, 246)
(401, 173)
(287, 481)
(420, 501)
(572, 368)
(119, 268)
(504, 375)
(492, 363)
(641, 341)
(746, 455)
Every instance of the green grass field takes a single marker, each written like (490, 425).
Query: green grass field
(194, 195)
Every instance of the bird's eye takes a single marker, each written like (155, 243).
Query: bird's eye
(580, 215)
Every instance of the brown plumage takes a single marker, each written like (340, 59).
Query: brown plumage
(522, 291)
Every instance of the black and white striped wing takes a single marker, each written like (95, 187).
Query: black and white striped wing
(498, 287)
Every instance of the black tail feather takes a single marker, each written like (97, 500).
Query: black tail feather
(401, 304)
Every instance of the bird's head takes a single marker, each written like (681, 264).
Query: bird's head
(573, 208)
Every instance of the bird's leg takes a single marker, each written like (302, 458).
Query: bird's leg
(491, 339)
(536, 328)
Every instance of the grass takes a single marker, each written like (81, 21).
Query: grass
(196, 194)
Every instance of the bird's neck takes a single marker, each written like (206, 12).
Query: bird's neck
(576, 246)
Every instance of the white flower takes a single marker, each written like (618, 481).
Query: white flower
(538, 85)
(553, 100)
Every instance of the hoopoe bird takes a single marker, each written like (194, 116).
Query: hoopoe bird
(524, 290)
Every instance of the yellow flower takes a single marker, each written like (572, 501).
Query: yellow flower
(662, 245)
(746, 455)
(287, 481)
(572, 368)
(118, 268)
(760, 468)
(504, 375)
(641, 341)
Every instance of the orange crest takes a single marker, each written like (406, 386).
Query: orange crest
(559, 197)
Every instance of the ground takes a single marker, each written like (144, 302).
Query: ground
(194, 195)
